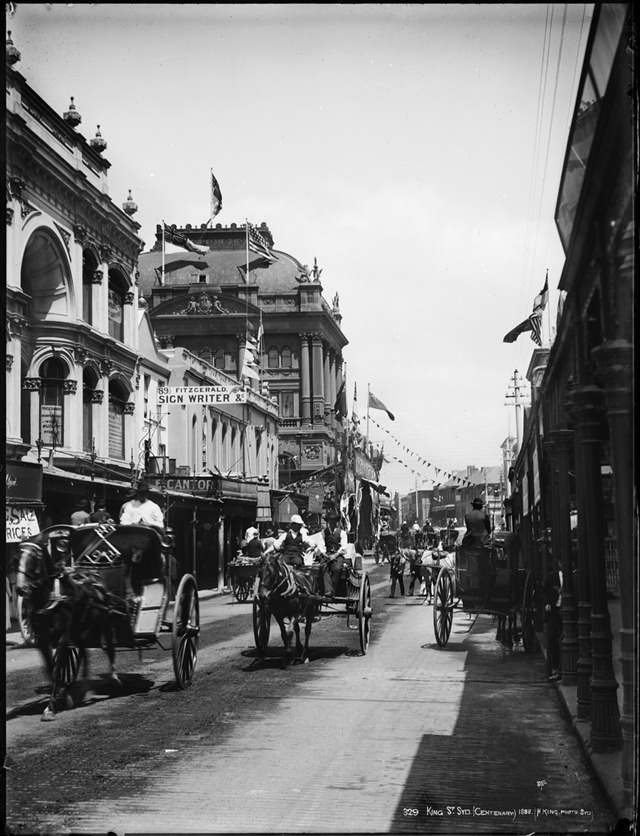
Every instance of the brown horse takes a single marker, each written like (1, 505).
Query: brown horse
(291, 598)
(69, 611)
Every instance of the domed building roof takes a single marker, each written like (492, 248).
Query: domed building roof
(224, 265)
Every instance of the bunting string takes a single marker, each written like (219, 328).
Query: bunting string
(443, 474)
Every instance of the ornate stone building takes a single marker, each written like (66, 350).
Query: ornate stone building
(210, 302)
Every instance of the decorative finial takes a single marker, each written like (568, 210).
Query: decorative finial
(98, 143)
(13, 54)
(130, 206)
(72, 117)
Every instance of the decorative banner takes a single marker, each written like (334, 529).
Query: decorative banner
(438, 470)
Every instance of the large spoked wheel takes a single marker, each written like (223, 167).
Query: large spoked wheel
(529, 641)
(443, 605)
(365, 611)
(70, 665)
(24, 620)
(242, 588)
(186, 631)
(261, 625)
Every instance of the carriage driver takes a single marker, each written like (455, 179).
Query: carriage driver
(293, 543)
(335, 543)
(478, 526)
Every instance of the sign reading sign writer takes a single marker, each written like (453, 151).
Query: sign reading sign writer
(200, 395)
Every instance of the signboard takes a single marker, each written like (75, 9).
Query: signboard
(23, 482)
(199, 485)
(205, 395)
(51, 423)
(364, 469)
(21, 523)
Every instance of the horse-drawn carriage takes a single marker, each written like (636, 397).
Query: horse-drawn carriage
(241, 574)
(282, 583)
(125, 566)
(486, 581)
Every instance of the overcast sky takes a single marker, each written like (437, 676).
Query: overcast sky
(414, 150)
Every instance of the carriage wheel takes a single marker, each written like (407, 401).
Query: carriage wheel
(261, 625)
(186, 631)
(443, 604)
(528, 614)
(242, 589)
(71, 666)
(365, 612)
(24, 620)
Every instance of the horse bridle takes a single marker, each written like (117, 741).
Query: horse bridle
(288, 580)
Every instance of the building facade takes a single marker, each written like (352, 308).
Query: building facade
(575, 472)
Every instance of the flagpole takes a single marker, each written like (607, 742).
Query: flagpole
(211, 199)
(163, 229)
(246, 278)
(368, 395)
(548, 308)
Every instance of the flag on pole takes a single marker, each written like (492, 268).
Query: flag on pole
(340, 406)
(376, 403)
(258, 244)
(216, 198)
(250, 366)
(355, 418)
(180, 240)
(533, 322)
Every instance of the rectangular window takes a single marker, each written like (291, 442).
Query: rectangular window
(116, 431)
(286, 404)
(116, 316)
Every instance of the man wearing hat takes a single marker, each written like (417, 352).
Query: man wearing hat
(81, 515)
(140, 510)
(293, 543)
(478, 526)
(335, 543)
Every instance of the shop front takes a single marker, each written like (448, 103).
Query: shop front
(23, 509)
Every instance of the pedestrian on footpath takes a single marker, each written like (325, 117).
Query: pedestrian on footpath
(415, 569)
(552, 595)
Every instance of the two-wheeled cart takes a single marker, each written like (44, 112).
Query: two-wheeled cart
(483, 581)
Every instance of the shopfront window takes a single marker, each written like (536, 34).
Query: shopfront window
(89, 382)
(117, 400)
(53, 373)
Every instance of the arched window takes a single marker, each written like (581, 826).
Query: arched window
(285, 357)
(219, 358)
(274, 358)
(89, 381)
(53, 373)
(206, 354)
(117, 400)
(117, 290)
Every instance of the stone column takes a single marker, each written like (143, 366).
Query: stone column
(33, 385)
(587, 411)
(317, 379)
(560, 449)
(305, 380)
(615, 364)
(72, 432)
(333, 392)
(328, 404)
(15, 325)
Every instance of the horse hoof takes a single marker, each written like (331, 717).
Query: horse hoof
(48, 715)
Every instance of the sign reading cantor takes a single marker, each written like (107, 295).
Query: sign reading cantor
(205, 395)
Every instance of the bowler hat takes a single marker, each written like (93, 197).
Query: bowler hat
(332, 514)
(143, 487)
(477, 503)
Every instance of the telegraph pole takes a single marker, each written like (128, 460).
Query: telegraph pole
(515, 384)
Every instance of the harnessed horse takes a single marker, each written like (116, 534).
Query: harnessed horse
(68, 609)
(290, 598)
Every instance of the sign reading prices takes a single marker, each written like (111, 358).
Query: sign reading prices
(200, 395)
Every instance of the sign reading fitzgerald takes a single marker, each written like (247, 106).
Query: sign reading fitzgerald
(200, 395)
